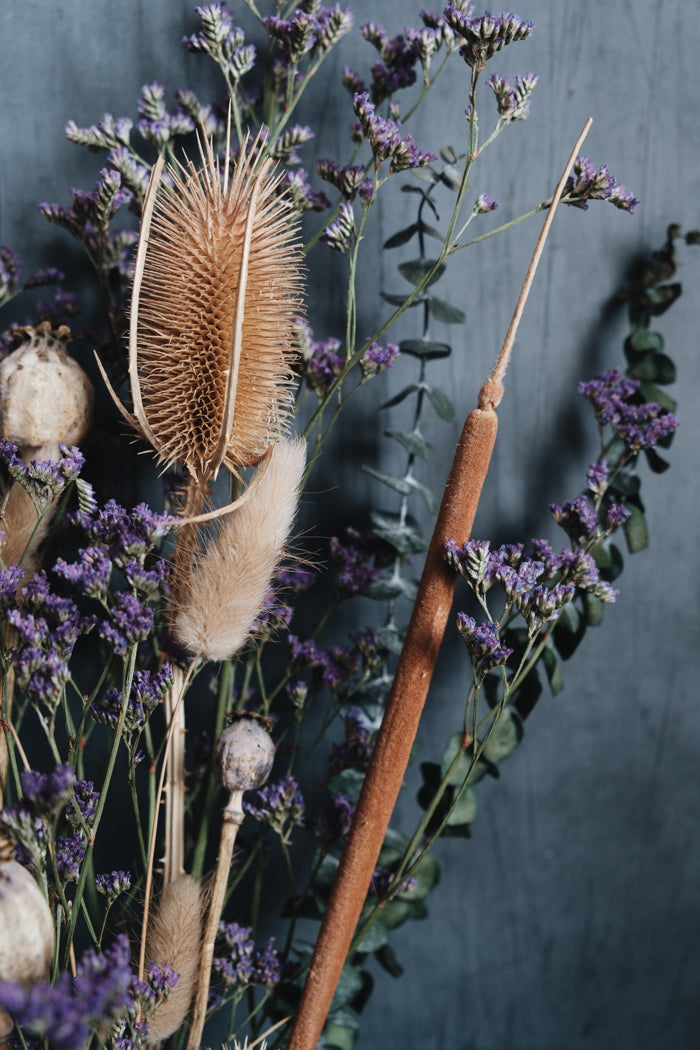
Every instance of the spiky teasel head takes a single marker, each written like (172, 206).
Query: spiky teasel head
(216, 287)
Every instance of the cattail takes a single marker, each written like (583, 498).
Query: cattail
(412, 678)
(215, 292)
(226, 590)
(175, 940)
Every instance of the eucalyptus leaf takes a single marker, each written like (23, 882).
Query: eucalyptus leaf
(375, 938)
(416, 270)
(350, 984)
(635, 529)
(505, 737)
(568, 631)
(448, 154)
(465, 810)
(402, 237)
(349, 783)
(427, 873)
(394, 913)
(406, 537)
(551, 666)
(440, 402)
(650, 392)
(461, 769)
(337, 1035)
(451, 177)
(401, 396)
(656, 462)
(399, 300)
(659, 298)
(641, 339)
(595, 610)
(391, 640)
(388, 961)
(401, 485)
(385, 588)
(425, 348)
(445, 312)
(412, 440)
(429, 498)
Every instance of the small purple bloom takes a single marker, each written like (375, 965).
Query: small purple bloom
(378, 358)
(113, 884)
(280, 805)
(340, 233)
(483, 642)
(130, 622)
(485, 36)
(244, 964)
(335, 819)
(588, 183)
(354, 558)
(386, 140)
(578, 518)
(357, 748)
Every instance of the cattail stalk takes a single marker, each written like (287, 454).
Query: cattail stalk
(410, 686)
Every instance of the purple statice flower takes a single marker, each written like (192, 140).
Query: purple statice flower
(378, 358)
(436, 21)
(484, 204)
(319, 361)
(68, 1012)
(295, 578)
(279, 805)
(91, 212)
(90, 573)
(616, 515)
(295, 36)
(222, 40)
(48, 627)
(114, 883)
(43, 479)
(244, 964)
(347, 180)
(578, 518)
(130, 622)
(147, 582)
(297, 694)
(332, 667)
(385, 139)
(284, 148)
(597, 477)
(295, 186)
(469, 559)
(483, 643)
(513, 98)
(10, 271)
(372, 652)
(135, 176)
(354, 558)
(84, 809)
(70, 854)
(127, 535)
(332, 23)
(382, 879)
(588, 183)
(157, 125)
(10, 579)
(352, 81)
(340, 234)
(542, 604)
(424, 43)
(487, 35)
(147, 690)
(335, 819)
(356, 750)
(398, 59)
(46, 275)
(47, 793)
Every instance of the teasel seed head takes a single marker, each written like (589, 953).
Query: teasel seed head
(216, 287)
(45, 396)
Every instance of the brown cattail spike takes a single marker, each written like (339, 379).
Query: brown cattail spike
(216, 288)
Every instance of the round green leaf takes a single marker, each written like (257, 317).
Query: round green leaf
(505, 738)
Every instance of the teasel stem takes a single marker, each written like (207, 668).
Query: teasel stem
(411, 682)
(243, 758)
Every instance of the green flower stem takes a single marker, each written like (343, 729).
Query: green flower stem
(129, 668)
(137, 813)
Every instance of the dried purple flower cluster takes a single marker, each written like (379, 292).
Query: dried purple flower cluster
(640, 425)
(356, 749)
(385, 138)
(590, 184)
(354, 558)
(244, 964)
(70, 1011)
(318, 362)
(42, 479)
(279, 805)
(485, 36)
(513, 98)
(331, 667)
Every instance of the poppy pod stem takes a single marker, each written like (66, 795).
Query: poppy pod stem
(409, 689)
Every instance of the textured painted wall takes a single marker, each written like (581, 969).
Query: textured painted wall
(571, 918)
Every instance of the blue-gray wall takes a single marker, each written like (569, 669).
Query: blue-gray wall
(571, 919)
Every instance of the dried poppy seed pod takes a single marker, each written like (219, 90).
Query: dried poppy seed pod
(243, 758)
(26, 933)
(45, 396)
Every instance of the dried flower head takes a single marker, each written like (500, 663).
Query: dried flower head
(215, 291)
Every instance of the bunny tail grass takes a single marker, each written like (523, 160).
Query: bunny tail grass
(228, 586)
(174, 939)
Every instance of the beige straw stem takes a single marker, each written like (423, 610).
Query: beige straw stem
(408, 693)
(232, 817)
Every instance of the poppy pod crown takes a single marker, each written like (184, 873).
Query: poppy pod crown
(216, 289)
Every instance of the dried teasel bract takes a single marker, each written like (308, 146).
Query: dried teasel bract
(216, 287)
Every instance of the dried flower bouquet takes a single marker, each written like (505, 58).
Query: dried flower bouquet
(116, 616)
